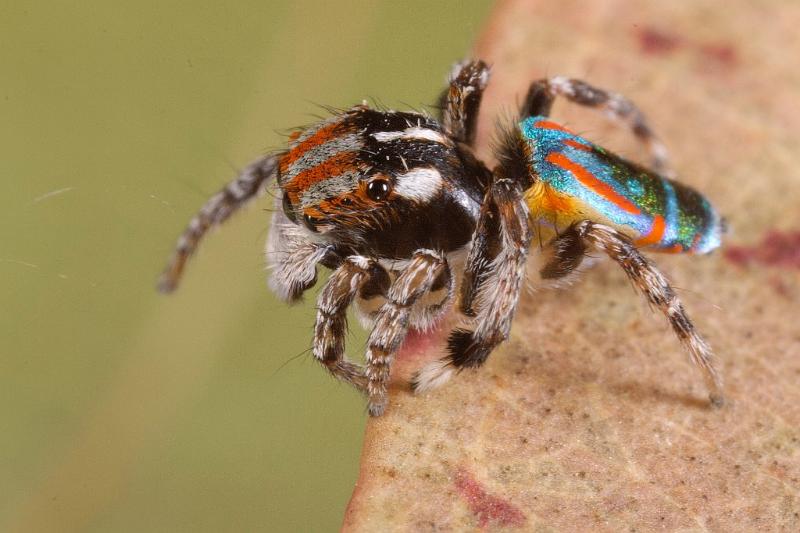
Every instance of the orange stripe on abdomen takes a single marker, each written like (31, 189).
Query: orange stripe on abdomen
(549, 125)
(655, 234)
(590, 181)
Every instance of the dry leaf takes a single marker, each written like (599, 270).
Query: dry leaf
(591, 416)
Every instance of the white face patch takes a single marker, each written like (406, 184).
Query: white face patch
(420, 184)
(415, 133)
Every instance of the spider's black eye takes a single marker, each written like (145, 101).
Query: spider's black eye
(288, 210)
(378, 189)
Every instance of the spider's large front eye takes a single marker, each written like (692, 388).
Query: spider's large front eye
(378, 189)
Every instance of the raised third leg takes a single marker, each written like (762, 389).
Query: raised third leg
(542, 93)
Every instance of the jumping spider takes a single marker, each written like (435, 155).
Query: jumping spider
(400, 208)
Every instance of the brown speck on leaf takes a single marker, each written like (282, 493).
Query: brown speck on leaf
(488, 509)
(657, 42)
(776, 249)
(721, 53)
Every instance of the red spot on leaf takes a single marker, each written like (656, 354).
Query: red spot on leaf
(657, 42)
(721, 53)
(777, 248)
(486, 507)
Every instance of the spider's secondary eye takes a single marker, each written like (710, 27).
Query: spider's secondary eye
(288, 210)
(378, 189)
(311, 223)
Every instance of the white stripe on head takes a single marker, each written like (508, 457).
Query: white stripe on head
(415, 133)
(419, 184)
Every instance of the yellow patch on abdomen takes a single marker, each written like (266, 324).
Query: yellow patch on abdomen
(545, 203)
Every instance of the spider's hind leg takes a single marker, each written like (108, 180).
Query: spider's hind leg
(542, 93)
(652, 283)
(246, 186)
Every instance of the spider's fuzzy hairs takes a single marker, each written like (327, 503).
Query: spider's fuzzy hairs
(513, 154)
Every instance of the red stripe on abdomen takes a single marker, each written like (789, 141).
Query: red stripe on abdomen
(592, 182)
(655, 234)
(549, 125)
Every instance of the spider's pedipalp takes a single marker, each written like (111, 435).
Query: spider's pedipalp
(353, 275)
(292, 258)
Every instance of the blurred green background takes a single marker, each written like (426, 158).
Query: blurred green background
(122, 410)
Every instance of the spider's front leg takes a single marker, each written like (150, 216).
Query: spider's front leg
(461, 101)
(357, 275)
(646, 278)
(426, 270)
(542, 93)
(496, 263)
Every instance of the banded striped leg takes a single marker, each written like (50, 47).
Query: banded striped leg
(216, 210)
(483, 250)
(354, 275)
(497, 293)
(424, 271)
(658, 292)
(543, 92)
(461, 101)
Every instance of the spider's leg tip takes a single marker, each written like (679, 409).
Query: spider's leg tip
(431, 376)
(166, 285)
(465, 350)
(717, 400)
(376, 409)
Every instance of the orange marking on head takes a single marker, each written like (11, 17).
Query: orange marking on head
(550, 125)
(294, 135)
(590, 181)
(655, 234)
(579, 145)
(333, 166)
(321, 136)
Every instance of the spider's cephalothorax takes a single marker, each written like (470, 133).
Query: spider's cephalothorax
(380, 183)
(392, 202)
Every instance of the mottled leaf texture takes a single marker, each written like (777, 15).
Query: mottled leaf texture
(591, 416)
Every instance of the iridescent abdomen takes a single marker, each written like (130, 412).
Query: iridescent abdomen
(578, 180)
